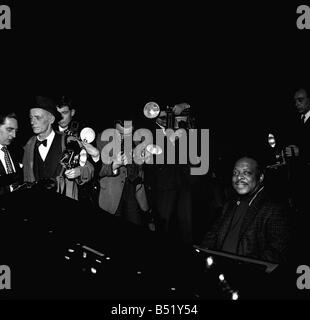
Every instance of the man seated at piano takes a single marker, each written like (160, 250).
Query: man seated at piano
(251, 224)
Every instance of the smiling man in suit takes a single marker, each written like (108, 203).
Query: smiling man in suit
(252, 224)
(10, 171)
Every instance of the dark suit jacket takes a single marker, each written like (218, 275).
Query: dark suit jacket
(299, 134)
(87, 171)
(264, 233)
(303, 141)
(7, 179)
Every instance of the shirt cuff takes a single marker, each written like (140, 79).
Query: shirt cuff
(96, 159)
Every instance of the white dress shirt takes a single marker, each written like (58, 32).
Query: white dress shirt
(61, 129)
(307, 115)
(44, 150)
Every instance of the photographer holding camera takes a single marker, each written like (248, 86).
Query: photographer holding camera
(122, 190)
(170, 184)
(44, 150)
(69, 124)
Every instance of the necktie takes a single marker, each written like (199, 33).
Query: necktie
(7, 160)
(38, 143)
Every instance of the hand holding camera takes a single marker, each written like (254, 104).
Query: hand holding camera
(292, 151)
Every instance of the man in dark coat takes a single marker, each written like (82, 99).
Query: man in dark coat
(44, 150)
(10, 169)
(298, 152)
(251, 224)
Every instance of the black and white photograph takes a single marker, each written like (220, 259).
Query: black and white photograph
(154, 156)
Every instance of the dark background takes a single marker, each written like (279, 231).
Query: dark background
(237, 65)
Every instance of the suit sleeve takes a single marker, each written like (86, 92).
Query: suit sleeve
(277, 235)
(87, 173)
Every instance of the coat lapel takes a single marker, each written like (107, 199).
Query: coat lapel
(28, 160)
(252, 211)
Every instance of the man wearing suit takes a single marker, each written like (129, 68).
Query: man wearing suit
(69, 125)
(298, 152)
(171, 184)
(122, 190)
(10, 171)
(301, 147)
(43, 152)
(66, 114)
(251, 224)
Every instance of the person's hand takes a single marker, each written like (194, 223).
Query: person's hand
(291, 150)
(90, 149)
(179, 108)
(143, 157)
(73, 173)
(121, 159)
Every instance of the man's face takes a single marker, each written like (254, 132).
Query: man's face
(66, 114)
(8, 131)
(245, 178)
(40, 120)
(302, 102)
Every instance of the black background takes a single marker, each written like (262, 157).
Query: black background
(237, 64)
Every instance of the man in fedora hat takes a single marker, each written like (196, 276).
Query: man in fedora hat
(43, 152)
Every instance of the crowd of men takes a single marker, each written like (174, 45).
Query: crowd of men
(246, 217)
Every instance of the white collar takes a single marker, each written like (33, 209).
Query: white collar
(49, 138)
(62, 129)
(307, 115)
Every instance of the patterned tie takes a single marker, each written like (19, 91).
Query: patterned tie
(8, 162)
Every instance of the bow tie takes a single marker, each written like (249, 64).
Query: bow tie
(38, 143)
